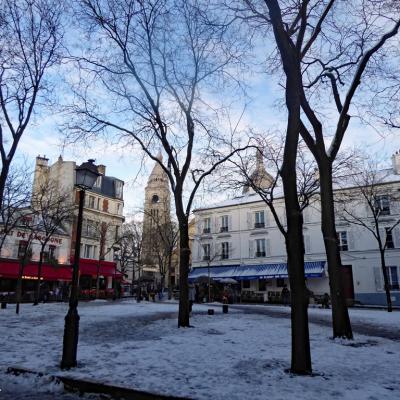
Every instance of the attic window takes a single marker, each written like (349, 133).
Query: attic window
(118, 185)
(97, 184)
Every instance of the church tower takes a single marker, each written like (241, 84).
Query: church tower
(157, 208)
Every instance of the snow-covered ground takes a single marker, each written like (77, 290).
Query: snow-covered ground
(225, 356)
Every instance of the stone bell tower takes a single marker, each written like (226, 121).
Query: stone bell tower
(157, 209)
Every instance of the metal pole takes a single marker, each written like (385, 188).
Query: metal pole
(209, 284)
(71, 328)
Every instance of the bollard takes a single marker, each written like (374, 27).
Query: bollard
(210, 311)
(225, 308)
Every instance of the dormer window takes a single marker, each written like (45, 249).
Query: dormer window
(97, 184)
(118, 185)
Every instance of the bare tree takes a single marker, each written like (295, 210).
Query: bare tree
(164, 237)
(159, 63)
(16, 195)
(259, 169)
(26, 222)
(131, 249)
(369, 201)
(30, 41)
(52, 210)
(324, 56)
(109, 237)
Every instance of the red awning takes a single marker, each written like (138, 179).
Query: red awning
(10, 269)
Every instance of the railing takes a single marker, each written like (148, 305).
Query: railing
(259, 225)
(206, 230)
(260, 254)
(206, 258)
(224, 229)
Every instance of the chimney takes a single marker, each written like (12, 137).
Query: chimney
(42, 161)
(396, 162)
(101, 169)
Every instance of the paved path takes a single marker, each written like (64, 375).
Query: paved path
(359, 327)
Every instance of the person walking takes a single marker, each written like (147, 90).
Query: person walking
(192, 296)
(285, 295)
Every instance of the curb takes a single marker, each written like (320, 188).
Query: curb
(87, 386)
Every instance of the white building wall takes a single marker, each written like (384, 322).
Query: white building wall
(362, 254)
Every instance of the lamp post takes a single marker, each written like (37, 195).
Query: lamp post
(86, 175)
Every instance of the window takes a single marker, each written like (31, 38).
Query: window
(97, 203)
(224, 223)
(393, 278)
(259, 219)
(207, 225)
(88, 251)
(91, 200)
(116, 233)
(280, 282)
(342, 239)
(50, 254)
(22, 248)
(206, 251)
(389, 238)
(27, 221)
(382, 205)
(260, 247)
(119, 209)
(224, 250)
(246, 284)
(118, 189)
(97, 184)
(262, 285)
(155, 199)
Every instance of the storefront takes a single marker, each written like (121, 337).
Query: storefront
(55, 276)
(262, 282)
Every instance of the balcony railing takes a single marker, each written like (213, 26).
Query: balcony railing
(224, 229)
(206, 258)
(206, 230)
(224, 256)
(259, 225)
(260, 254)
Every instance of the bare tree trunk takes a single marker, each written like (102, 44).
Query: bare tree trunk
(184, 260)
(98, 280)
(301, 355)
(169, 276)
(340, 316)
(39, 275)
(18, 294)
(386, 280)
(3, 178)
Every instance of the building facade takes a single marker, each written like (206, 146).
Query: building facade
(102, 220)
(239, 239)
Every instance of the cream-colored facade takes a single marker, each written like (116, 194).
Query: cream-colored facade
(103, 209)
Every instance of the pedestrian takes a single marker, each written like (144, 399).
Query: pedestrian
(285, 295)
(197, 292)
(325, 300)
(192, 295)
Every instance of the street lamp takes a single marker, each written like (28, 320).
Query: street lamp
(86, 175)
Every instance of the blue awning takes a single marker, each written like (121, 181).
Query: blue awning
(260, 271)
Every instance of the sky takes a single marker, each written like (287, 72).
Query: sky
(263, 112)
